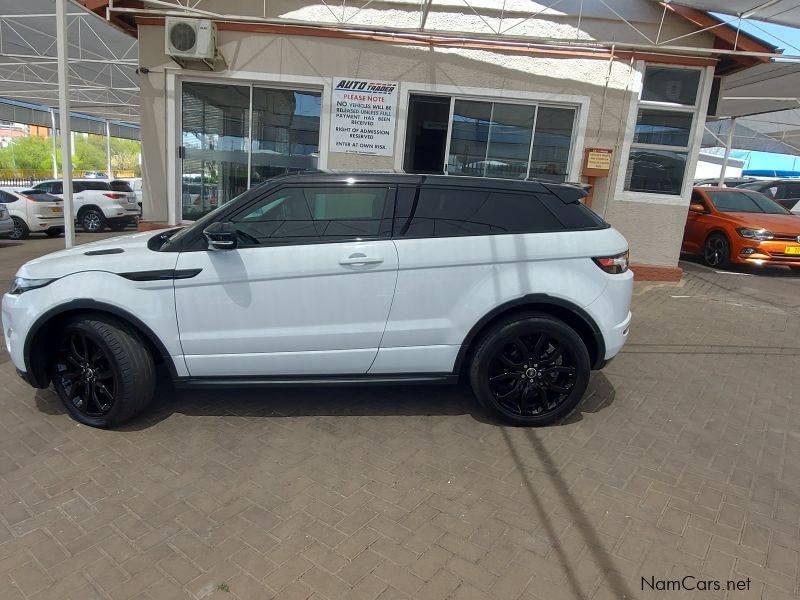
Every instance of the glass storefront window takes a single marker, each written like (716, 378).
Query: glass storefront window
(218, 145)
(214, 134)
(498, 139)
(662, 134)
(469, 138)
(285, 132)
(655, 171)
(664, 128)
(510, 141)
(551, 143)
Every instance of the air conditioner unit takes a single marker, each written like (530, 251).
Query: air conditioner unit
(191, 40)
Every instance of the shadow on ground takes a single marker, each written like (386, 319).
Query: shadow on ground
(398, 400)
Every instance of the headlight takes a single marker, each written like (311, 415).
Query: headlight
(21, 284)
(755, 234)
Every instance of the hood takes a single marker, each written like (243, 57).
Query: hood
(785, 224)
(123, 254)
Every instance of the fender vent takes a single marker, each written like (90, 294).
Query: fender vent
(102, 252)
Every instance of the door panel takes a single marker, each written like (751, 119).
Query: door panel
(285, 310)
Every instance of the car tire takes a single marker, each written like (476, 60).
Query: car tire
(20, 231)
(717, 251)
(530, 370)
(117, 225)
(53, 232)
(92, 220)
(101, 370)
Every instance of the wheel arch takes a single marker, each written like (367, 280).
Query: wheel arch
(86, 207)
(564, 310)
(35, 347)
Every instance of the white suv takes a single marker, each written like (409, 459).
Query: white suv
(98, 203)
(336, 278)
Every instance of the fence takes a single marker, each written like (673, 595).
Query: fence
(24, 178)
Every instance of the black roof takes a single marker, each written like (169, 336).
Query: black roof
(568, 192)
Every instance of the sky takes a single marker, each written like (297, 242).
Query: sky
(784, 37)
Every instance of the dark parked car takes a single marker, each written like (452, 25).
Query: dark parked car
(785, 192)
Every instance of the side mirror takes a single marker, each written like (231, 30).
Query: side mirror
(221, 236)
(697, 208)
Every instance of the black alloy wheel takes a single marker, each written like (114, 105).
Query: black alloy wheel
(532, 375)
(102, 369)
(716, 251)
(530, 369)
(85, 374)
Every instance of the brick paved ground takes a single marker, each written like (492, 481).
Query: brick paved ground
(683, 460)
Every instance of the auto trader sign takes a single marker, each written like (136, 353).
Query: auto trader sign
(363, 117)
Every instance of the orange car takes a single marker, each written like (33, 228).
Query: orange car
(733, 225)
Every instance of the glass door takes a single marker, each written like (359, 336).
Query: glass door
(215, 130)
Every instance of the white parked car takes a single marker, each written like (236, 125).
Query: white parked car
(336, 278)
(6, 222)
(135, 184)
(33, 211)
(98, 203)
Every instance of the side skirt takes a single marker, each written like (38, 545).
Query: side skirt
(315, 380)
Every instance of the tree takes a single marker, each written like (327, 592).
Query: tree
(27, 154)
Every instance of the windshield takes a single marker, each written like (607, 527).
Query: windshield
(741, 201)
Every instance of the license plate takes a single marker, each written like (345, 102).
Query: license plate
(55, 209)
(792, 250)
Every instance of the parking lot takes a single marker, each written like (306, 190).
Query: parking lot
(683, 460)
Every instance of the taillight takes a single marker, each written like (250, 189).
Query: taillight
(115, 196)
(613, 264)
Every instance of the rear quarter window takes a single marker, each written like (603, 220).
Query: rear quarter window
(120, 186)
(449, 212)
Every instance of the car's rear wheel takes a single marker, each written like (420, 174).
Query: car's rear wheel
(92, 220)
(20, 231)
(101, 370)
(530, 370)
(717, 251)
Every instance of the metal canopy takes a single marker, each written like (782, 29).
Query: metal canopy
(781, 12)
(102, 60)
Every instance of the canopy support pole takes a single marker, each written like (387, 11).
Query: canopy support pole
(54, 142)
(727, 155)
(63, 113)
(108, 150)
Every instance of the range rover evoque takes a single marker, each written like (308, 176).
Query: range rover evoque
(336, 278)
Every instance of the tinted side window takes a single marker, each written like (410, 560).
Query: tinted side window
(45, 186)
(443, 212)
(317, 214)
(120, 186)
(95, 185)
(57, 187)
(6, 198)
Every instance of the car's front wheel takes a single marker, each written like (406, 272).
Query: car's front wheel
(92, 220)
(101, 370)
(530, 370)
(717, 251)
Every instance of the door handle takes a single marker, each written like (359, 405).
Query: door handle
(360, 259)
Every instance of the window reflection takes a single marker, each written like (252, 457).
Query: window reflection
(656, 171)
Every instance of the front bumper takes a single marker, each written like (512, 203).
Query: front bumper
(769, 253)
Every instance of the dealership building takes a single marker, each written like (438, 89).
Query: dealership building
(613, 93)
